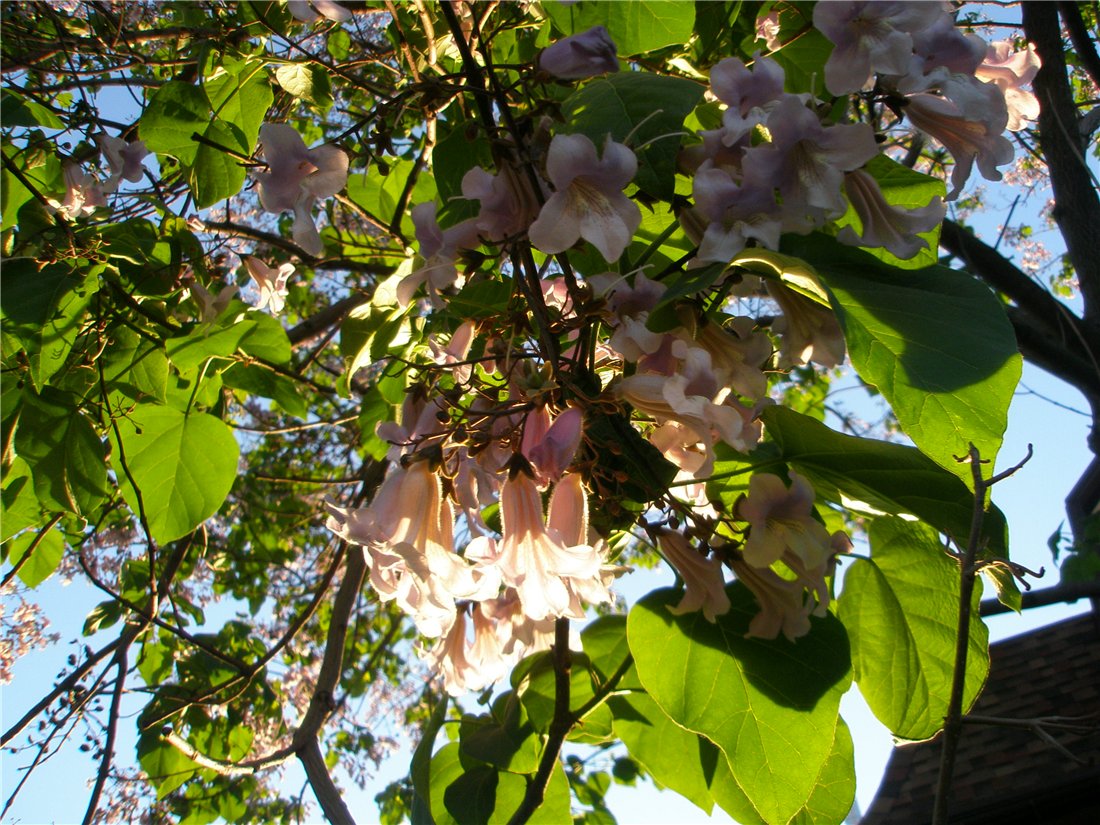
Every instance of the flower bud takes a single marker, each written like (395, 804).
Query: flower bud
(581, 55)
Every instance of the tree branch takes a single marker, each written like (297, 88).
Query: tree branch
(1077, 205)
(1083, 46)
(112, 731)
(560, 726)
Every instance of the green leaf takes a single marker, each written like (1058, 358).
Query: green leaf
(192, 348)
(265, 337)
(217, 174)
(164, 764)
(136, 366)
(674, 756)
(936, 342)
(650, 106)
(103, 615)
(42, 562)
(770, 705)
(240, 95)
(637, 27)
(835, 791)
(421, 767)
(877, 477)
(175, 112)
(306, 82)
(605, 644)
(20, 504)
(20, 111)
(380, 194)
(64, 453)
(183, 466)
(538, 689)
(44, 309)
(901, 609)
(262, 381)
(906, 188)
(480, 299)
(505, 739)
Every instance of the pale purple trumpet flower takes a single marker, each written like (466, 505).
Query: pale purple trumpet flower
(581, 55)
(588, 201)
(704, 584)
(892, 228)
(1011, 71)
(297, 177)
(969, 139)
(270, 282)
(307, 12)
(439, 249)
(124, 159)
(870, 37)
(83, 194)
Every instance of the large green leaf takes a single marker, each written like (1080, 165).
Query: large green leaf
(636, 27)
(770, 705)
(183, 466)
(936, 342)
(175, 112)
(835, 790)
(901, 608)
(674, 756)
(164, 763)
(650, 108)
(44, 308)
(43, 560)
(240, 94)
(217, 174)
(64, 452)
(878, 476)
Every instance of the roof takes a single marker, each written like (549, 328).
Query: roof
(1011, 773)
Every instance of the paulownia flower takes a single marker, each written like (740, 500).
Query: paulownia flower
(550, 447)
(588, 201)
(868, 37)
(83, 194)
(969, 139)
(581, 55)
(439, 248)
(1010, 71)
(270, 282)
(297, 177)
(890, 227)
(532, 554)
(307, 12)
(123, 158)
(781, 520)
(704, 585)
(808, 331)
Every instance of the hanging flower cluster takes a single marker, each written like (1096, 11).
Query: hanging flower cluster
(503, 422)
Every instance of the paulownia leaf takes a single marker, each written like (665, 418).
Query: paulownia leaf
(183, 465)
(636, 27)
(770, 705)
(901, 608)
(868, 476)
(936, 342)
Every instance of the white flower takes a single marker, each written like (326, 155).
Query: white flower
(588, 201)
(581, 55)
(302, 11)
(890, 227)
(704, 585)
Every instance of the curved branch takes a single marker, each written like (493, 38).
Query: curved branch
(112, 731)
(1083, 46)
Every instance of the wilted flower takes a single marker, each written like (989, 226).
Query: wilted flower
(270, 282)
(297, 177)
(704, 585)
(588, 201)
(312, 10)
(581, 55)
(890, 227)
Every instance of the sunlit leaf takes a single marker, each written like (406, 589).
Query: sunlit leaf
(901, 610)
